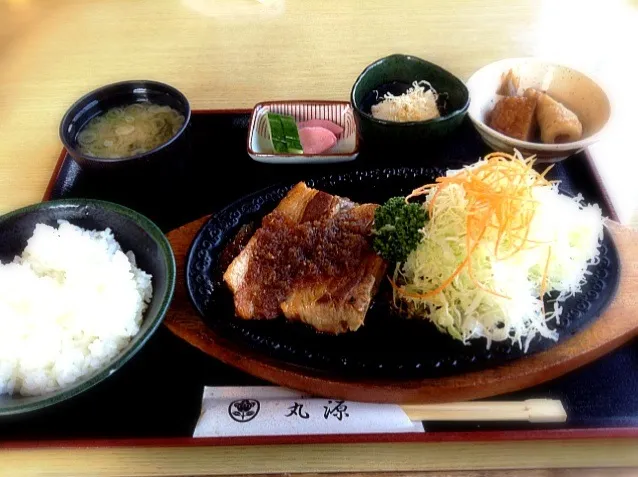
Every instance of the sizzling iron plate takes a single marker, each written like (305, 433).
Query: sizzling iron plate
(387, 345)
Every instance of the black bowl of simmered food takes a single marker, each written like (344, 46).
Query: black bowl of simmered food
(402, 101)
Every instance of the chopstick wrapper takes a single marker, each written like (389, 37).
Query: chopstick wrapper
(272, 411)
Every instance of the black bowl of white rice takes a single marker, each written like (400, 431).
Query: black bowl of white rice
(83, 286)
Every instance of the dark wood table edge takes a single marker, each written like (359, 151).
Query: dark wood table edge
(427, 437)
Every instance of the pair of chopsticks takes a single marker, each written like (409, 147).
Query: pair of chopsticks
(532, 410)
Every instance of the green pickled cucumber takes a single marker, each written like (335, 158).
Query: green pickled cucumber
(284, 134)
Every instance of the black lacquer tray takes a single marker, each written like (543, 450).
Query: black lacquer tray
(158, 394)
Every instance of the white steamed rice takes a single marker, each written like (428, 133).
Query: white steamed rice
(68, 305)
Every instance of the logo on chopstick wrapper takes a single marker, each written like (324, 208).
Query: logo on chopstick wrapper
(243, 410)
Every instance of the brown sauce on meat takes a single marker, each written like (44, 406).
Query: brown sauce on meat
(292, 255)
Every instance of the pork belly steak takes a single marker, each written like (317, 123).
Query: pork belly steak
(311, 261)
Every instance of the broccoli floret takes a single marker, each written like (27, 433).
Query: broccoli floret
(397, 228)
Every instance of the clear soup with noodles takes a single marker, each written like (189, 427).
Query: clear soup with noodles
(129, 130)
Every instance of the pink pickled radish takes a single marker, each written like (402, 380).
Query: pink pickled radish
(322, 123)
(316, 140)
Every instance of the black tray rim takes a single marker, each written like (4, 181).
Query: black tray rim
(58, 174)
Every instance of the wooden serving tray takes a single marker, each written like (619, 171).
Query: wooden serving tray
(616, 326)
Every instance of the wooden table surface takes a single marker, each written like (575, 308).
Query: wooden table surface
(234, 53)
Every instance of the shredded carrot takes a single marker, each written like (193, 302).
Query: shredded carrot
(499, 193)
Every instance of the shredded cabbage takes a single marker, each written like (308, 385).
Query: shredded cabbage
(508, 304)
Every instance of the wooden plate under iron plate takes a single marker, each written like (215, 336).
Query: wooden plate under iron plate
(617, 326)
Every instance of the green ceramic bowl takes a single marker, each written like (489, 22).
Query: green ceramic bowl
(395, 73)
(134, 232)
